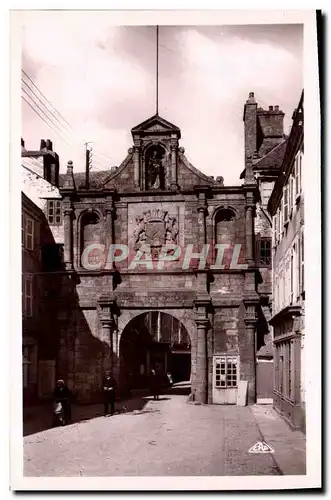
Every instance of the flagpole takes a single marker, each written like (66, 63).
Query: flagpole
(157, 70)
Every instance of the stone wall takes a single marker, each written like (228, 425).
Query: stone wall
(226, 331)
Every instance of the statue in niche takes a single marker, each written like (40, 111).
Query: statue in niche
(155, 168)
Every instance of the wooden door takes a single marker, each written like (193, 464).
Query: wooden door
(225, 379)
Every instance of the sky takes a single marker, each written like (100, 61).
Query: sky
(101, 79)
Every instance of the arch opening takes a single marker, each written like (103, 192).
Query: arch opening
(154, 340)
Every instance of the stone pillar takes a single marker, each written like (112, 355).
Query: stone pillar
(201, 375)
(68, 239)
(109, 226)
(250, 188)
(173, 148)
(109, 235)
(202, 211)
(136, 162)
(202, 238)
(108, 313)
(248, 353)
(250, 209)
(107, 338)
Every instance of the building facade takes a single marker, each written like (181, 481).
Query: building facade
(32, 220)
(42, 276)
(206, 292)
(160, 268)
(266, 143)
(286, 206)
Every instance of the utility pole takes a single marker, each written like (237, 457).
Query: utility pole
(88, 164)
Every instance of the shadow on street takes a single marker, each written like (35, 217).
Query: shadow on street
(39, 418)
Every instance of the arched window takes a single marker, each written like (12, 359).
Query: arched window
(90, 231)
(225, 226)
(154, 167)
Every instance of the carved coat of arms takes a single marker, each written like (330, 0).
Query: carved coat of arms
(155, 228)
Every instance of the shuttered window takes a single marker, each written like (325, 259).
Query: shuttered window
(29, 233)
(28, 295)
(54, 212)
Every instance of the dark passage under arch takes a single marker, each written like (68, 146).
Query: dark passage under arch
(154, 340)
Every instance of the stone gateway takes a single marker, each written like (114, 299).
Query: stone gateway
(196, 321)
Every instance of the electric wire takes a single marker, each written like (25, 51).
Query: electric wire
(62, 130)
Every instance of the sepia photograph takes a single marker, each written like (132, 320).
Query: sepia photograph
(168, 286)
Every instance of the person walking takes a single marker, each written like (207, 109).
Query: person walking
(109, 393)
(62, 395)
(154, 385)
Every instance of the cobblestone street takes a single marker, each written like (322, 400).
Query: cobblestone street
(169, 437)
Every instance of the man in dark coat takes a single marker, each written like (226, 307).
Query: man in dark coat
(154, 384)
(62, 395)
(109, 393)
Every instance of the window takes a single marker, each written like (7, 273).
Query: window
(297, 173)
(285, 204)
(281, 218)
(298, 287)
(29, 233)
(30, 361)
(276, 369)
(267, 188)
(28, 295)
(274, 230)
(265, 251)
(226, 374)
(290, 365)
(302, 270)
(282, 286)
(294, 271)
(300, 168)
(22, 229)
(26, 365)
(290, 196)
(278, 225)
(281, 370)
(54, 212)
(291, 279)
(291, 199)
(287, 280)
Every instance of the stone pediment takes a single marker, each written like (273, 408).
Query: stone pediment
(156, 125)
(156, 128)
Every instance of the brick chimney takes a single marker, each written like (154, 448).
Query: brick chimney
(51, 162)
(250, 124)
(271, 121)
